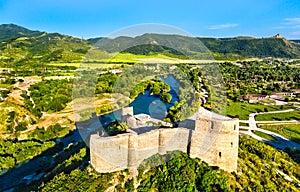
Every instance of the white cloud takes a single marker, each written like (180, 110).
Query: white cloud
(295, 33)
(292, 22)
(223, 26)
(295, 20)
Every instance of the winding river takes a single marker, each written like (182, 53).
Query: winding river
(148, 104)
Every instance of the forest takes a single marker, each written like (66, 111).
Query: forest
(48, 96)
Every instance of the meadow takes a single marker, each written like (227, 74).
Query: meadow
(293, 115)
(244, 109)
(290, 131)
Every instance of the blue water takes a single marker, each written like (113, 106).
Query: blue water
(148, 104)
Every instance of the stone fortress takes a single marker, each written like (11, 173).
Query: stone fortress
(213, 139)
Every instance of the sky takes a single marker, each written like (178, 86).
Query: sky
(213, 18)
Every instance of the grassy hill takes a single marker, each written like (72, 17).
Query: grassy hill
(23, 47)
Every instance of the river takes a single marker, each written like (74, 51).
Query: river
(148, 104)
(144, 103)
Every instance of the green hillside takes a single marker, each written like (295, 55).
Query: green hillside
(11, 31)
(23, 47)
(20, 46)
(30, 48)
(155, 43)
(252, 47)
(221, 48)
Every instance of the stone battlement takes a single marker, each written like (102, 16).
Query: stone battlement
(214, 141)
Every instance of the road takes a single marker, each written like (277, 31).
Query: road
(281, 142)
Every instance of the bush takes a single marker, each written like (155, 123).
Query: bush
(166, 97)
(117, 127)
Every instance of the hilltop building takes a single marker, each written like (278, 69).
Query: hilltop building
(278, 36)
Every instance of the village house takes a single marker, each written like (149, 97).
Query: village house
(281, 95)
(115, 71)
(296, 91)
(254, 98)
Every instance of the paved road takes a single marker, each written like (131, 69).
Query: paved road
(279, 122)
(281, 142)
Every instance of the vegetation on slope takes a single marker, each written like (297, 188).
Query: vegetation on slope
(155, 49)
(184, 47)
(15, 119)
(13, 153)
(48, 96)
(235, 48)
(11, 31)
(261, 168)
(22, 47)
(28, 48)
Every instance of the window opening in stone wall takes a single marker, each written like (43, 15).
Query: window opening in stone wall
(211, 125)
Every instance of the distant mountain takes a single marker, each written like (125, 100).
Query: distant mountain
(12, 31)
(295, 41)
(277, 47)
(221, 48)
(20, 46)
(156, 43)
(95, 40)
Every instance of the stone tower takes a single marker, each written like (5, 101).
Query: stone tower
(215, 141)
(126, 112)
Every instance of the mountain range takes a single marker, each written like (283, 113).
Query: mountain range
(19, 45)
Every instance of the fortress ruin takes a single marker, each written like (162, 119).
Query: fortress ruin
(213, 140)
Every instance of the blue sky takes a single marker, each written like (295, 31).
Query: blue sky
(213, 18)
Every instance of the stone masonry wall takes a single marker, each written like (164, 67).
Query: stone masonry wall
(213, 141)
(109, 154)
(216, 142)
(173, 139)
